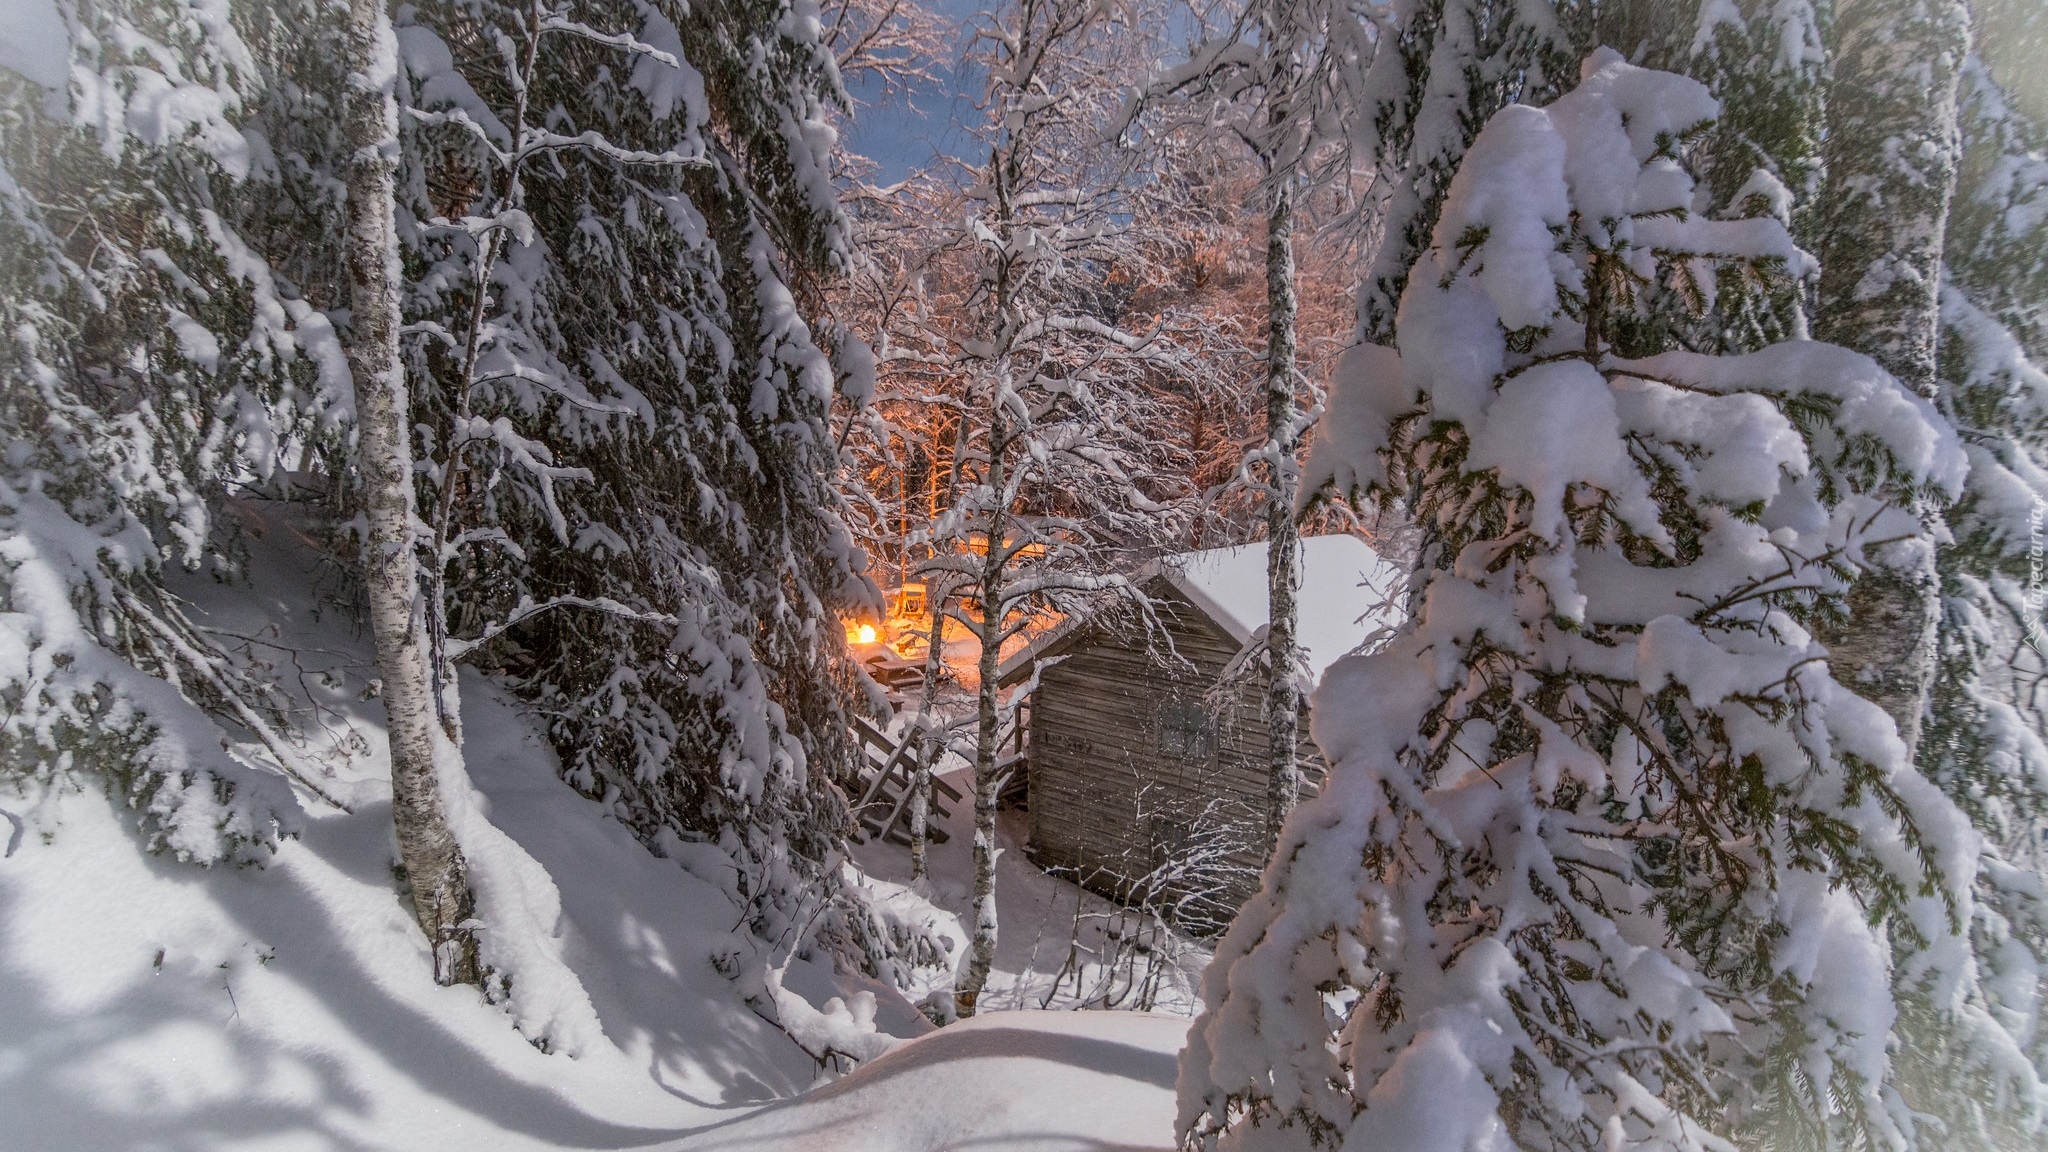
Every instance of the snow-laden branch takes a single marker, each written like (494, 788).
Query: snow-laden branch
(534, 141)
(554, 22)
(532, 456)
(207, 666)
(528, 608)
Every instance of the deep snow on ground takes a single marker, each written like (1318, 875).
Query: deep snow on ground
(149, 1003)
(146, 1003)
(1010, 1081)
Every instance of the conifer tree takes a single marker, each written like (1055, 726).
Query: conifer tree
(618, 217)
(1980, 1045)
(1598, 812)
(150, 360)
(1767, 64)
(1441, 68)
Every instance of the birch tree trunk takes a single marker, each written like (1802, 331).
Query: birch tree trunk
(1280, 37)
(921, 801)
(1892, 151)
(426, 847)
(982, 949)
(929, 737)
(1283, 548)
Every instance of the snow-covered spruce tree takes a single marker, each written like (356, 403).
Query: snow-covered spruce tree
(1441, 68)
(615, 217)
(1979, 1048)
(1766, 62)
(1607, 857)
(1893, 144)
(150, 359)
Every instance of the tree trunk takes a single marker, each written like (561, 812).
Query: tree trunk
(930, 744)
(982, 955)
(1283, 548)
(1892, 152)
(426, 847)
(921, 802)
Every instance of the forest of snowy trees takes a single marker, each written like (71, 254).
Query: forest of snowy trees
(1690, 357)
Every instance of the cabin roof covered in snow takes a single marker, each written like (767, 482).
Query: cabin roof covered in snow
(1348, 591)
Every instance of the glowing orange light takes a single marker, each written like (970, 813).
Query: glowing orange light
(867, 633)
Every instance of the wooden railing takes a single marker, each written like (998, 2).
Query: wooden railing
(887, 771)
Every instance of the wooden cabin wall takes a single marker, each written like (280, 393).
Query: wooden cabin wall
(1133, 754)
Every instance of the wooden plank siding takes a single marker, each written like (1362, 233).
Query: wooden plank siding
(1129, 745)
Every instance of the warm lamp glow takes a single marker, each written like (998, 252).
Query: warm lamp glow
(866, 633)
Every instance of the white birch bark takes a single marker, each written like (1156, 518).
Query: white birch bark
(426, 846)
(929, 735)
(982, 948)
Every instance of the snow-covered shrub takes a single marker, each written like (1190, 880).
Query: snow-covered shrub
(149, 358)
(1607, 857)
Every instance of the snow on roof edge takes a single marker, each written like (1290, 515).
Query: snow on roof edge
(1344, 579)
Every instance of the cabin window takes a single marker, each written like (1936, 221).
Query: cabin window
(1185, 731)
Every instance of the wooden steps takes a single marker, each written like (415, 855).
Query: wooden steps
(886, 774)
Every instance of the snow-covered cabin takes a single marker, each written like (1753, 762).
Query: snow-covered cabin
(1141, 756)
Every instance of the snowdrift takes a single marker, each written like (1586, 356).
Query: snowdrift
(146, 1003)
(1003, 1082)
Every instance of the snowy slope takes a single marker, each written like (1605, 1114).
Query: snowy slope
(1002, 1082)
(150, 1004)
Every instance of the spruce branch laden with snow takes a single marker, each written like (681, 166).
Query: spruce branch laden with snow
(1441, 68)
(152, 361)
(1599, 811)
(1982, 1069)
(622, 215)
